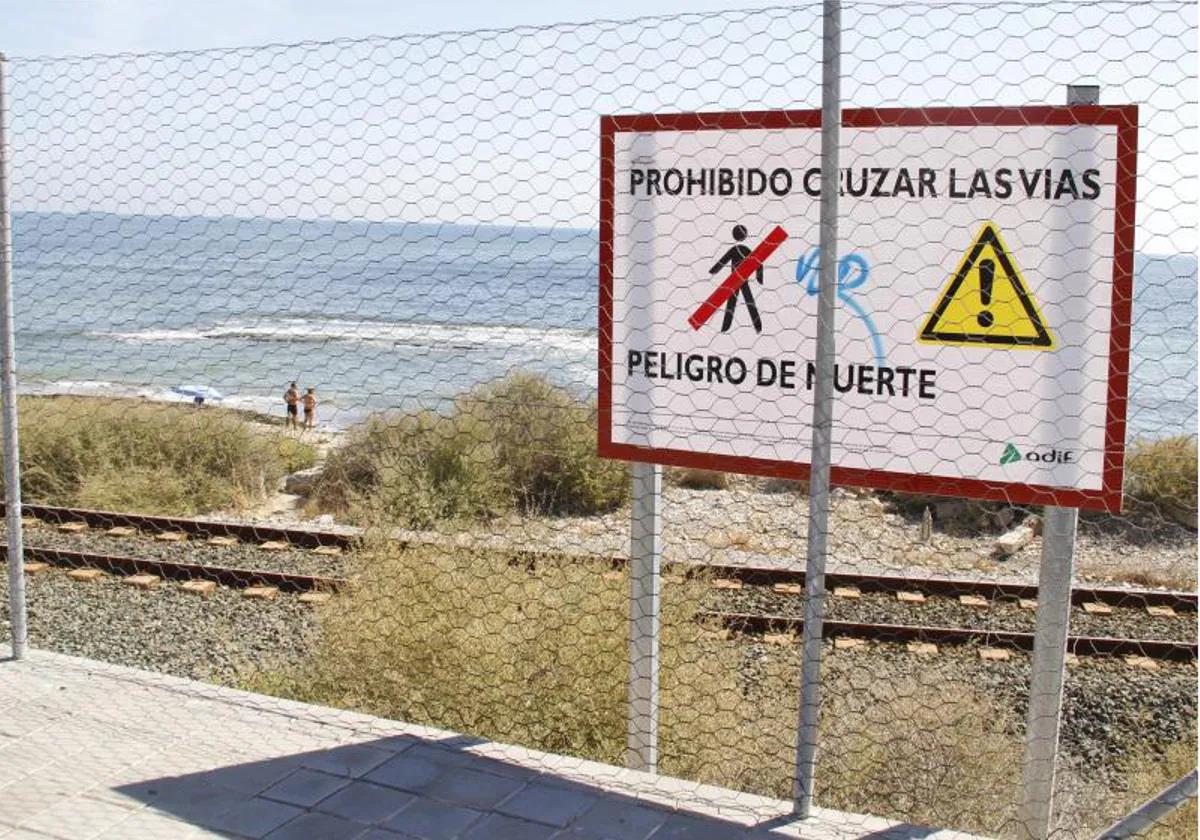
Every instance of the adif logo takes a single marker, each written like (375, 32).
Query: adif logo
(1050, 456)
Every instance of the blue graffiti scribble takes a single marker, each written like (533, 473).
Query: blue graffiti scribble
(853, 271)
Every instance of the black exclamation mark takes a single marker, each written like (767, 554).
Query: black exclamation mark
(987, 274)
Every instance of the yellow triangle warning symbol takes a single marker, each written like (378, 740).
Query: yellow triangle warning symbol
(987, 302)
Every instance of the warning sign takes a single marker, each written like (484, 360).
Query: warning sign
(987, 302)
(983, 300)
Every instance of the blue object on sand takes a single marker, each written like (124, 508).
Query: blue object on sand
(198, 392)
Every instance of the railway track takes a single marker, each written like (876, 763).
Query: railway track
(757, 621)
(764, 625)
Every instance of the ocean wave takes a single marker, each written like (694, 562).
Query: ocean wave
(443, 336)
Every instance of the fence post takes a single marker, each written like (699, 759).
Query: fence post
(1048, 669)
(645, 559)
(8, 383)
(822, 433)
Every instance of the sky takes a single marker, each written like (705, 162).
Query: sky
(501, 127)
(81, 27)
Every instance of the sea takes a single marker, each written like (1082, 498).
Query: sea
(385, 316)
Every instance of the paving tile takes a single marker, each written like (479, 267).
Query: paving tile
(502, 827)
(352, 760)
(620, 819)
(189, 799)
(255, 818)
(548, 804)
(688, 827)
(314, 826)
(431, 820)
(472, 787)
(406, 772)
(379, 834)
(151, 825)
(253, 777)
(77, 817)
(366, 802)
(305, 788)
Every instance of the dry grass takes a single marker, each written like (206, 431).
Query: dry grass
(487, 645)
(148, 457)
(1148, 776)
(695, 479)
(1160, 478)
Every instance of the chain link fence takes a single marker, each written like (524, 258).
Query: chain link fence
(351, 287)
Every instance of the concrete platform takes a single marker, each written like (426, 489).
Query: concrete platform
(89, 749)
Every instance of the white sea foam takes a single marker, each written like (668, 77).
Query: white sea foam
(442, 336)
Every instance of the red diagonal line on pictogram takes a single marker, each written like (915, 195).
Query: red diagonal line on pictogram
(739, 276)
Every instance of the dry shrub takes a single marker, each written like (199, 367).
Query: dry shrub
(520, 444)
(1148, 775)
(149, 457)
(488, 645)
(1160, 477)
(696, 479)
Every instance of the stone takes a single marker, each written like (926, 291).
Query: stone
(36, 568)
(1161, 611)
(85, 575)
(315, 598)
(726, 583)
(848, 643)
(261, 593)
(223, 541)
(141, 581)
(613, 575)
(910, 597)
(122, 531)
(780, 639)
(328, 550)
(171, 536)
(973, 601)
(1097, 608)
(851, 592)
(73, 527)
(203, 588)
(788, 588)
(274, 545)
(1143, 662)
(302, 483)
(31, 522)
(990, 654)
(922, 648)
(1013, 541)
(1027, 603)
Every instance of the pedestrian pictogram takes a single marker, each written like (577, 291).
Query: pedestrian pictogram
(744, 263)
(987, 302)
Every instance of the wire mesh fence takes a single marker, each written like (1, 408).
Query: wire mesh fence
(351, 287)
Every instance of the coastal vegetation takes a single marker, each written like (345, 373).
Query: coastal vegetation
(149, 457)
(520, 444)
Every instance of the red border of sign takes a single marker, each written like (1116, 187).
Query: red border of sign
(1124, 117)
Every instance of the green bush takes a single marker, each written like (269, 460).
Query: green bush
(1160, 476)
(520, 444)
(152, 458)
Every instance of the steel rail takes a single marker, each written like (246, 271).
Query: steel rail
(1080, 645)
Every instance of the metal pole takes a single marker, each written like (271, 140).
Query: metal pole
(1144, 818)
(645, 559)
(8, 383)
(1048, 669)
(822, 434)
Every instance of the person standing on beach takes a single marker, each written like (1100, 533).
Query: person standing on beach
(310, 408)
(292, 398)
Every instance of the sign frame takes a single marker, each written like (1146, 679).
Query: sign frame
(1123, 117)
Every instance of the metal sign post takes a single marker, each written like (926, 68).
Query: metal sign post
(645, 558)
(1048, 670)
(822, 432)
(8, 372)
